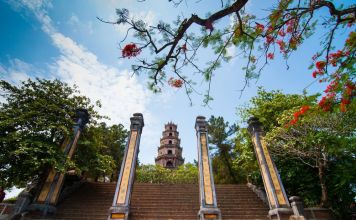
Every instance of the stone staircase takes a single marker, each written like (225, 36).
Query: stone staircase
(160, 201)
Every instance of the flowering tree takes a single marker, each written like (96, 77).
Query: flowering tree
(320, 147)
(288, 24)
(320, 141)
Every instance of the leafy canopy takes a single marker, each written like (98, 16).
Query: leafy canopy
(100, 151)
(35, 116)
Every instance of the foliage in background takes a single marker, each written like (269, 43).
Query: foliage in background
(245, 161)
(100, 151)
(184, 174)
(221, 146)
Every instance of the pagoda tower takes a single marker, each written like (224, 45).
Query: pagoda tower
(170, 151)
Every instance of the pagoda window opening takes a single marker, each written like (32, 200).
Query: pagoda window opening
(169, 164)
(170, 128)
(169, 151)
(170, 134)
(169, 142)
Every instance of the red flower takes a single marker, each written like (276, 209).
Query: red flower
(281, 33)
(296, 115)
(259, 27)
(331, 87)
(269, 39)
(333, 62)
(336, 55)
(304, 108)
(326, 102)
(348, 91)
(270, 56)
(343, 107)
(320, 65)
(209, 25)
(177, 83)
(350, 86)
(130, 50)
(281, 44)
(269, 29)
(322, 101)
(293, 122)
(315, 73)
(184, 47)
(290, 22)
(290, 29)
(345, 101)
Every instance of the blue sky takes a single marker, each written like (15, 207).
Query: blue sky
(63, 39)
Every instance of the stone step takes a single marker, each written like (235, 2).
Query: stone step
(161, 201)
(177, 210)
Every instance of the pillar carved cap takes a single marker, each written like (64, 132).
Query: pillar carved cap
(82, 116)
(200, 124)
(254, 125)
(137, 121)
(295, 199)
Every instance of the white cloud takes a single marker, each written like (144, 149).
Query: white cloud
(16, 71)
(121, 95)
(77, 25)
(73, 20)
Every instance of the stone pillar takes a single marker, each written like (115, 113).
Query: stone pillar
(297, 207)
(51, 189)
(277, 198)
(208, 205)
(120, 208)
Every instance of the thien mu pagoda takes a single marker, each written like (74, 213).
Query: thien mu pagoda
(170, 151)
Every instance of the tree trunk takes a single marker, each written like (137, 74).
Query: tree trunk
(229, 167)
(322, 178)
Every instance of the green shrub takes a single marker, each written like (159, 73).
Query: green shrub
(10, 200)
(185, 174)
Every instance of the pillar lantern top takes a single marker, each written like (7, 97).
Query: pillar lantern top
(254, 125)
(201, 124)
(137, 121)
